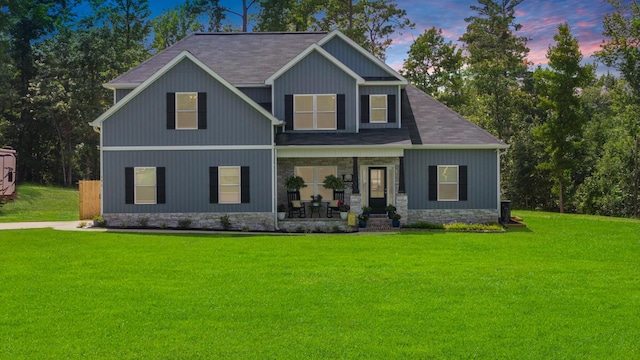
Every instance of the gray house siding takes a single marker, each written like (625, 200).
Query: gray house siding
(481, 177)
(316, 75)
(378, 90)
(120, 93)
(353, 59)
(187, 180)
(261, 95)
(143, 120)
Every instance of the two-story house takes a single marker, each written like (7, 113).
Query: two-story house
(214, 124)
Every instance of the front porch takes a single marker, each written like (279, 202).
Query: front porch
(369, 181)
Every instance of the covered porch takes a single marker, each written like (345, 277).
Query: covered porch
(374, 178)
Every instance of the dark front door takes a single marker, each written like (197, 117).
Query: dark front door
(377, 190)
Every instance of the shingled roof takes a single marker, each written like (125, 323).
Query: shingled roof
(432, 123)
(240, 58)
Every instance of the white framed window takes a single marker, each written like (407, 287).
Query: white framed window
(314, 112)
(229, 184)
(377, 108)
(448, 183)
(314, 178)
(187, 111)
(145, 185)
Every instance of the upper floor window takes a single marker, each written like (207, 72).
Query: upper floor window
(314, 112)
(378, 108)
(187, 111)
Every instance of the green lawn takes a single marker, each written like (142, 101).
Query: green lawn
(566, 287)
(41, 203)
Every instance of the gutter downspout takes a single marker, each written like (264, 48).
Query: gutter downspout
(498, 154)
(274, 176)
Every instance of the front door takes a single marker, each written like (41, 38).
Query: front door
(377, 189)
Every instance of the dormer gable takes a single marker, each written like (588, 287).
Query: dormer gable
(366, 65)
(317, 49)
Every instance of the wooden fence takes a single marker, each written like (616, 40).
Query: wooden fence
(89, 199)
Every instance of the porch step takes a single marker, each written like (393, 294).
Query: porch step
(378, 223)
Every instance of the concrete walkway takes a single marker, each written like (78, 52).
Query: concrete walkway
(57, 225)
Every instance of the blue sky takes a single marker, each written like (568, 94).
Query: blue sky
(540, 20)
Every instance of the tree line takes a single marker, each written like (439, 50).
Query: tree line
(573, 136)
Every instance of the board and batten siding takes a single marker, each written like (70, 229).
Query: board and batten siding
(316, 75)
(351, 57)
(258, 94)
(120, 93)
(187, 180)
(381, 90)
(481, 177)
(143, 120)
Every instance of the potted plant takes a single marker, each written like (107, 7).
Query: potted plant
(282, 211)
(333, 182)
(395, 220)
(294, 183)
(366, 210)
(316, 200)
(344, 211)
(391, 210)
(362, 220)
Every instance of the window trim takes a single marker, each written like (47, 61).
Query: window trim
(457, 182)
(178, 111)
(220, 185)
(317, 182)
(386, 109)
(315, 111)
(135, 186)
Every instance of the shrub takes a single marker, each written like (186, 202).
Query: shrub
(225, 222)
(425, 225)
(99, 221)
(184, 223)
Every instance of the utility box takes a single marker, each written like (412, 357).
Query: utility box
(505, 211)
(7, 173)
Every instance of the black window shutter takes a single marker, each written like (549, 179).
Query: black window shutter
(161, 197)
(128, 185)
(245, 188)
(433, 183)
(202, 110)
(364, 109)
(391, 108)
(213, 185)
(288, 112)
(171, 111)
(462, 183)
(342, 111)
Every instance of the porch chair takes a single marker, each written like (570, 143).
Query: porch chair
(338, 199)
(295, 204)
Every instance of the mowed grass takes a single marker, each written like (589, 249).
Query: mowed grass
(41, 203)
(566, 287)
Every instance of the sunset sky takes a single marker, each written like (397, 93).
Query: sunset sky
(540, 20)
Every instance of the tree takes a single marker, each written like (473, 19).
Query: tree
(435, 66)
(562, 131)
(286, 15)
(497, 62)
(244, 15)
(172, 26)
(621, 51)
(370, 23)
(26, 23)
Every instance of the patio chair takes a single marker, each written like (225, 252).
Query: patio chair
(338, 199)
(295, 204)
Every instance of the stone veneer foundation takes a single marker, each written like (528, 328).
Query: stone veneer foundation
(239, 221)
(442, 216)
